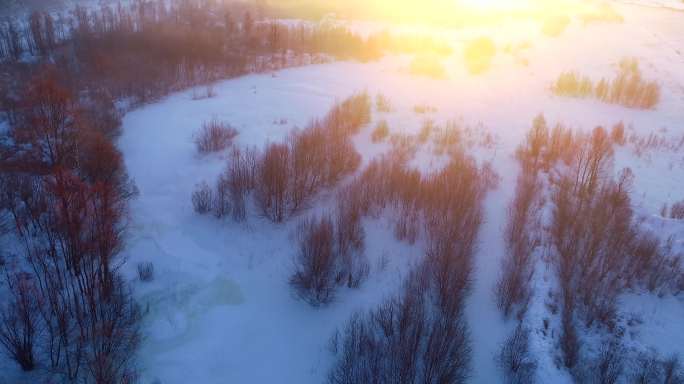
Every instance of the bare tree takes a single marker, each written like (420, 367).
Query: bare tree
(515, 359)
(19, 321)
(314, 279)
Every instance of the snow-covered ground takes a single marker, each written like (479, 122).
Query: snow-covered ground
(220, 309)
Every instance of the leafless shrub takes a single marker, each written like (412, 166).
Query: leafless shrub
(350, 239)
(214, 136)
(382, 103)
(677, 210)
(672, 371)
(648, 369)
(569, 342)
(272, 180)
(313, 279)
(19, 321)
(289, 175)
(426, 130)
(240, 179)
(221, 202)
(207, 93)
(380, 132)
(203, 198)
(513, 287)
(406, 339)
(88, 321)
(419, 335)
(146, 271)
(448, 137)
(529, 154)
(617, 134)
(331, 252)
(607, 367)
(515, 359)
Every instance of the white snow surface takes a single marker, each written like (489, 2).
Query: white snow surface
(220, 309)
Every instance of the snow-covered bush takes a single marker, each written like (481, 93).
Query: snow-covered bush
(605, 367)
(203, 198)
(677, 210)
(515, 359)
(146, 271)
(19, 321)
(214, 136)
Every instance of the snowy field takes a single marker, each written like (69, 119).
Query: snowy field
(220, 309)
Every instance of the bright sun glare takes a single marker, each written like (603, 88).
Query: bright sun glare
(494, 5)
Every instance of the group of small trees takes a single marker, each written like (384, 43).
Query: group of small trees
(67, 306)
(409, 338)
(284, 177)
(513, 289)
(66, 191)
(419, 335)
(628, 88)
(330, 253)
(598, 248)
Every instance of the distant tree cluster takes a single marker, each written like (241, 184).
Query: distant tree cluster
(628, 88)
(284, 177)
(147, 49)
